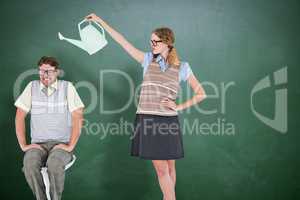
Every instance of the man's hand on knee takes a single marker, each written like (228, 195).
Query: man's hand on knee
(65, 147)
(31, 146)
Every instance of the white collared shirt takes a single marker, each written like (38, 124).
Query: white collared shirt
(73, 99)
(50, 89)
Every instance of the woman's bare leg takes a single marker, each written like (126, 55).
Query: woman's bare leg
(165, 181)
(172, 170)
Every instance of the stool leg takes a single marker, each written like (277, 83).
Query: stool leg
(46, 182)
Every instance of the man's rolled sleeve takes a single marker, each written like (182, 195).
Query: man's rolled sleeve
(74, 101)
(24, 100)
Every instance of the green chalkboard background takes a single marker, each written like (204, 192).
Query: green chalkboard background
(227, 42)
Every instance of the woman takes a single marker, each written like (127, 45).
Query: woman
(157, 135)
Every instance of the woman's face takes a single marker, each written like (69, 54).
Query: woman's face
(157, 46)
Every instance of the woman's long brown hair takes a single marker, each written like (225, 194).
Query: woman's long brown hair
(167, 36)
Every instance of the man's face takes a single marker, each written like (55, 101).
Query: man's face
(48, 74)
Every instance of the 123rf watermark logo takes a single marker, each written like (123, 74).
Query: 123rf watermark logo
(98, 100)
(280, 120)
(220, 126)
(188, 127)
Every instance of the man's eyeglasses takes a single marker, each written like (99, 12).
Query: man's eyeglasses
(48, 72)
(155, 42)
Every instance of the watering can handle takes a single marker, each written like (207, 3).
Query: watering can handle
(79, 26)
(103, 32)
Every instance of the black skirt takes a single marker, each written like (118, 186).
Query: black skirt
(157, 137)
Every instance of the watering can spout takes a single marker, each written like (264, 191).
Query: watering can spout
(77, 43)
(60, 36)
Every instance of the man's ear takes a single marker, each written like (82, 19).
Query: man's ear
(58, 72)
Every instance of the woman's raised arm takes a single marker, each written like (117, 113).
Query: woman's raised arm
(135, 53)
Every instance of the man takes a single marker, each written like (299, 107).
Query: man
(56, 120)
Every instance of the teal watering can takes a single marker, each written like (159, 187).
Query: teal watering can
(92, 40)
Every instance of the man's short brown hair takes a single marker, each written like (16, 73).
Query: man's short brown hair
(49, 60)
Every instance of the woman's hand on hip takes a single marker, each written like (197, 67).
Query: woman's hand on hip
(169, 104)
